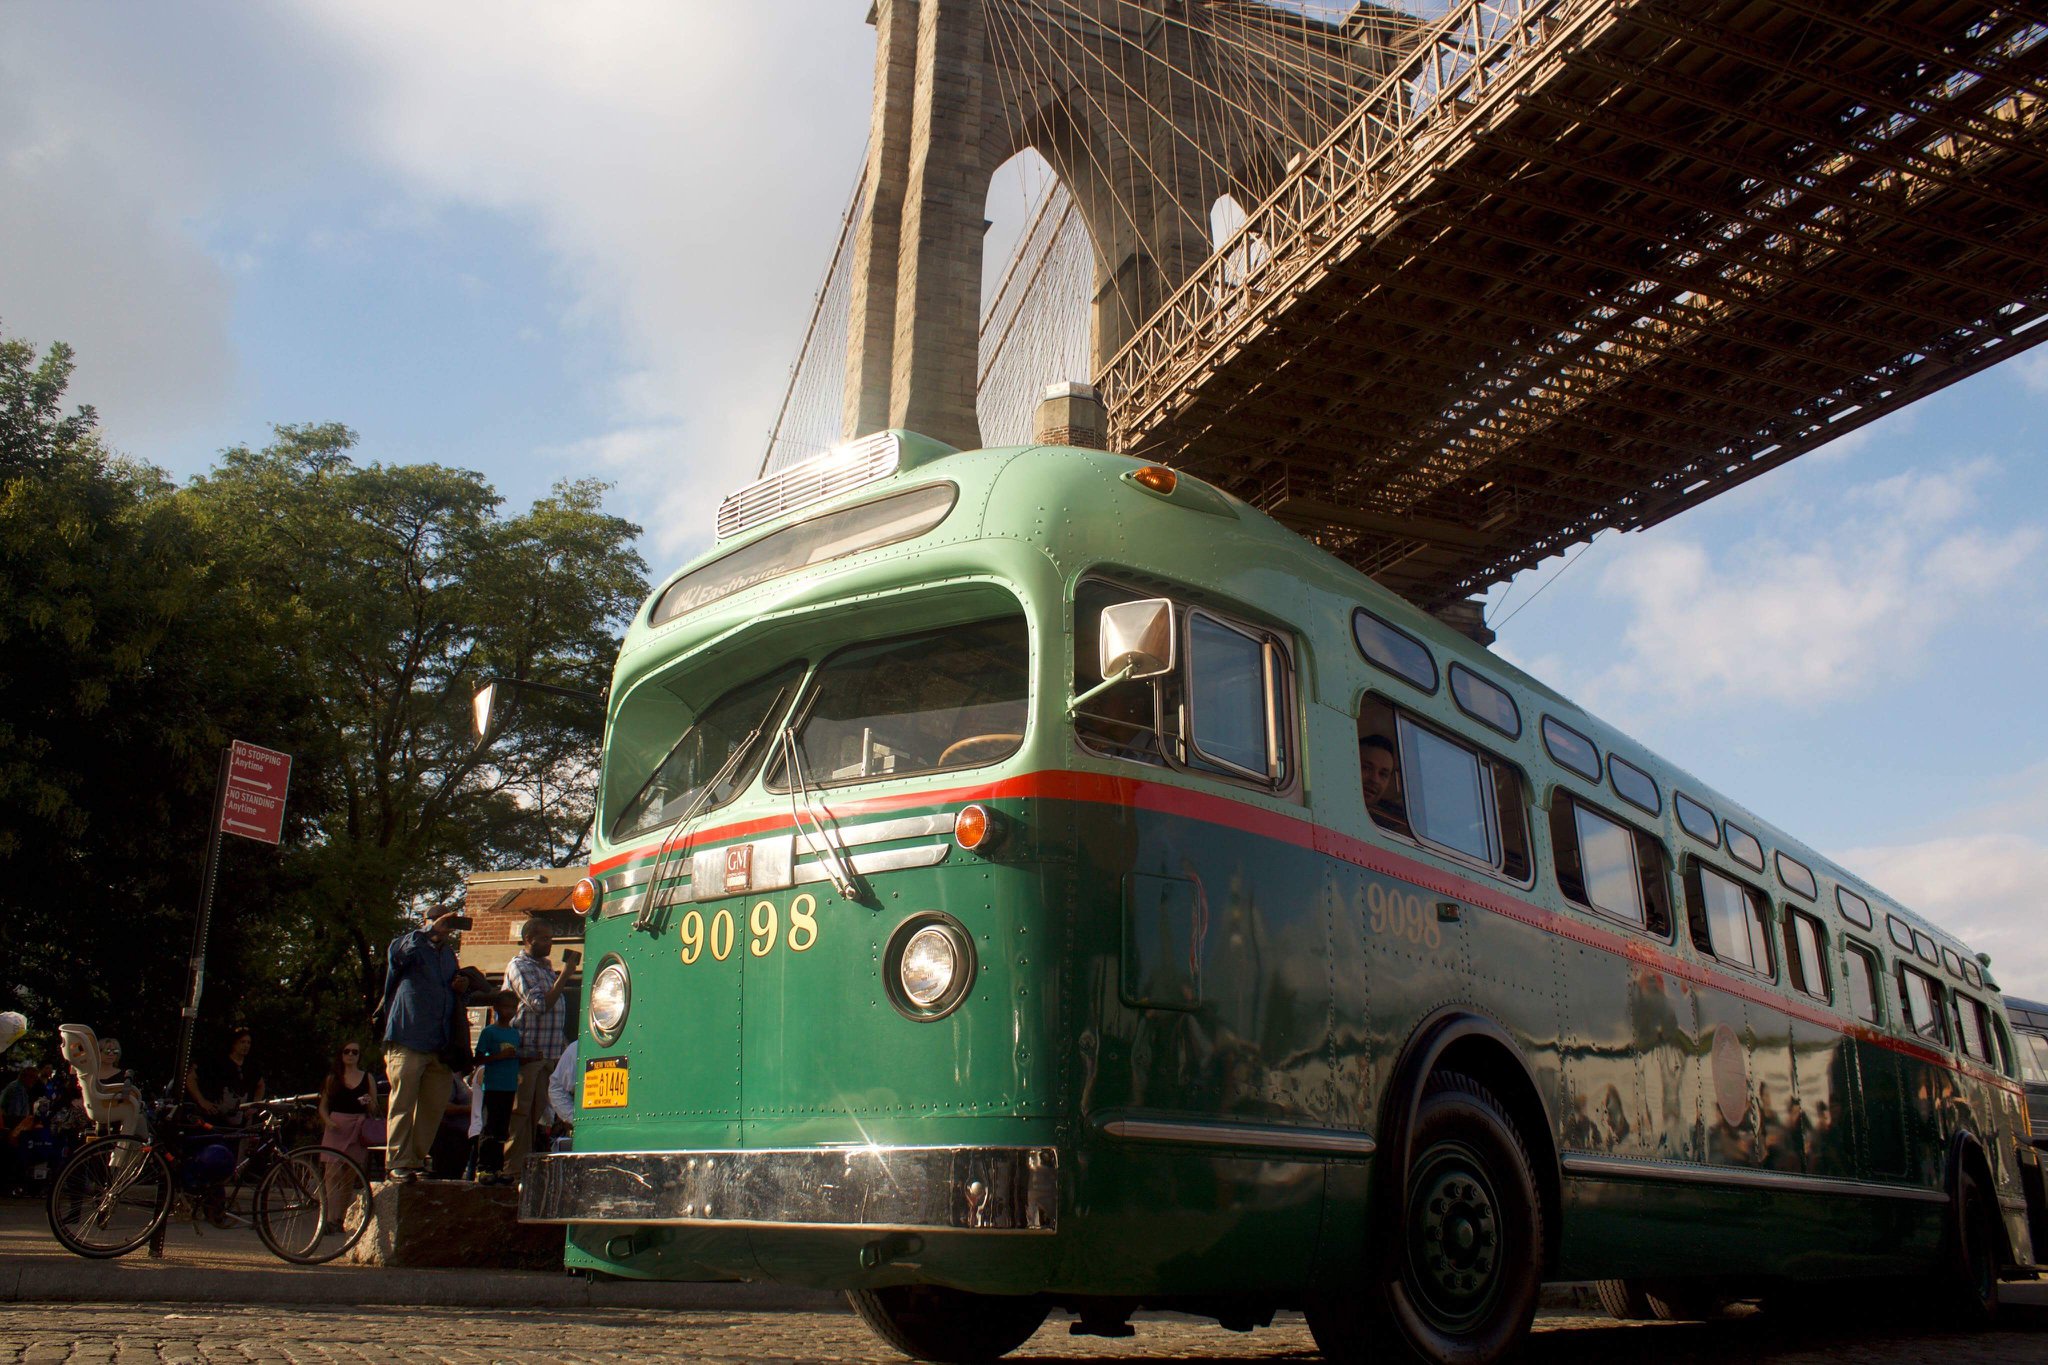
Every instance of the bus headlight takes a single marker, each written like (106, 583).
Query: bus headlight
(610, 995)
(930, 962)
(931, 966)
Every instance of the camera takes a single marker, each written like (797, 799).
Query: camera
(571, 958)
(461, 922)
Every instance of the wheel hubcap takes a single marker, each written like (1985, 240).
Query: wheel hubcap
(1454, 1237)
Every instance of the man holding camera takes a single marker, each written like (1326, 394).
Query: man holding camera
(421, 987)
(542, 1023)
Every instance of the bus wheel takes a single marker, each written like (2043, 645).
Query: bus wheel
(1624, 1300)
(1459, 1278)
(951, 1326)
(1681, 1301)
(1972, 1274)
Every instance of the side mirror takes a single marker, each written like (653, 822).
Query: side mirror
(1138, 639)
(484, 703)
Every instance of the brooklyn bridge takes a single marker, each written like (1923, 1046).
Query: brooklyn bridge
(1447, 291)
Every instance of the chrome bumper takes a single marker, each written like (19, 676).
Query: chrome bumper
(993, 1189)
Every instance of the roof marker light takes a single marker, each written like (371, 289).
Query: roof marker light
(1158, 478)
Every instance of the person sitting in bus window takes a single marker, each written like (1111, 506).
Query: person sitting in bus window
(1379, 772)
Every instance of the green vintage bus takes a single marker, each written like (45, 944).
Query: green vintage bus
(1025, 878)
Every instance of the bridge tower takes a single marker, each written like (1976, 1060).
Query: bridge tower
(1130, 101)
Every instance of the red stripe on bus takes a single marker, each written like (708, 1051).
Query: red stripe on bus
(1058, 784)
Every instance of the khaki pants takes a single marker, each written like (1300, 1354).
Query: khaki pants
(526, 1112)
(420, 1085)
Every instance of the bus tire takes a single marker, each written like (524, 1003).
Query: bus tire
(1462, 1260)
(1681, 1301)
(1970, 1280)
(1624, 1300)
(950, 1326)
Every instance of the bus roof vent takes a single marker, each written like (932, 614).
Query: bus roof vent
(837, 470)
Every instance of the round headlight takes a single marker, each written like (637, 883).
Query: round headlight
(929, 966)
(610, 994)
(930, 963)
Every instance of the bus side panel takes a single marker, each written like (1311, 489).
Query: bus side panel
(1396, 959)
(1202, 996)
(1881, 1110)
(1823, 1063)
(1781, 1127)
(1741, 1234)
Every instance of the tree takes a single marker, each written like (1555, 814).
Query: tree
(394, 591)
(291, 597)
(113, 702)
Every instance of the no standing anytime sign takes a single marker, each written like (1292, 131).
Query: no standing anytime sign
(253, 805)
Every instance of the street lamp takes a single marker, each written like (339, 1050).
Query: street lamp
(485, 703)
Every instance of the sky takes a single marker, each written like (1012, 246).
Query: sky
(555, 241)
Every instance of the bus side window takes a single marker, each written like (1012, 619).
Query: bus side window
(1609, 866)
(1970, 1027)
(1513, 819)
(1235, 701)
(1920, 996)
(1730, 919)
(1423, 785)
(1862, 974)
(2033, 1050)
(1122, 722)
(1379, 767)
(1805, 957)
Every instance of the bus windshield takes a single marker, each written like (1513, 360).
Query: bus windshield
(952, 698)
(709, 754)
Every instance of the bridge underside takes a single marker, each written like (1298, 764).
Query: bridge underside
(1636, 254)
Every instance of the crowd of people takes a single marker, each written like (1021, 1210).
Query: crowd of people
(450, 1105)
(500, 1079)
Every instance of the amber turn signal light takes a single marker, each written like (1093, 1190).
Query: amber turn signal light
(1158, 478)
(977, 829)
(584, 898)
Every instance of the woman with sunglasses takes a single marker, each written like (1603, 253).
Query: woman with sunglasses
(348, 1109)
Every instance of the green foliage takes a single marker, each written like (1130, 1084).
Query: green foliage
(292, 597)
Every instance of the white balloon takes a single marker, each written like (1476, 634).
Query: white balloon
(12, 1025)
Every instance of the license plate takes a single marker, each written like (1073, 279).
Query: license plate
(604, 1083)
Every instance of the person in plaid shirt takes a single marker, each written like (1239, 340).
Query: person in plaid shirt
(541, 1022)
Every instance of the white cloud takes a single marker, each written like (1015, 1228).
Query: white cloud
(94, 237)
(685, 165)
(2032, 369)
(1981, 875)
(1810, 606)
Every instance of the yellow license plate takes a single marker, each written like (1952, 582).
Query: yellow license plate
(604, 1083)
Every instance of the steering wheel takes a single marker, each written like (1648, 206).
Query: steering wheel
(972, 743)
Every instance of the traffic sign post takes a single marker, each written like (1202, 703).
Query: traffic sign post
(253, 805)
(248, 800)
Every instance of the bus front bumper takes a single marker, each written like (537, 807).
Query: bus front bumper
(939, 1189)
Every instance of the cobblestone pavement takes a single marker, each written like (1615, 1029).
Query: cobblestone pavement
(46, 1334)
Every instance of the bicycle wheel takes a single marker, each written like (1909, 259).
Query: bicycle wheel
(313, 1205)
(109, 1197)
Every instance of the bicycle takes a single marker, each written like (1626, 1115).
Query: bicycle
(311, 1203)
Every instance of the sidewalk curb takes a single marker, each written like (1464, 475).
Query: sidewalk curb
(112, 1282)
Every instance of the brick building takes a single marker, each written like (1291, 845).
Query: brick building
(500, 902)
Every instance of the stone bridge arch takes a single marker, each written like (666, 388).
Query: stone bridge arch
(1120, 97)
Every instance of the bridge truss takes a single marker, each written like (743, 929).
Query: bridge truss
(1585, 263)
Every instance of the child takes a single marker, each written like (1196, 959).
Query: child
(497, 1054)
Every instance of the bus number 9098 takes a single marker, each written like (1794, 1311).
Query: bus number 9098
(1402, 914)
(718, 932)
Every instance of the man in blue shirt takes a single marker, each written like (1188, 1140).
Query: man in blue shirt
(420, 990)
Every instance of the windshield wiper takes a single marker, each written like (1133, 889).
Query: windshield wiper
(830, 852)
(649, 916)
